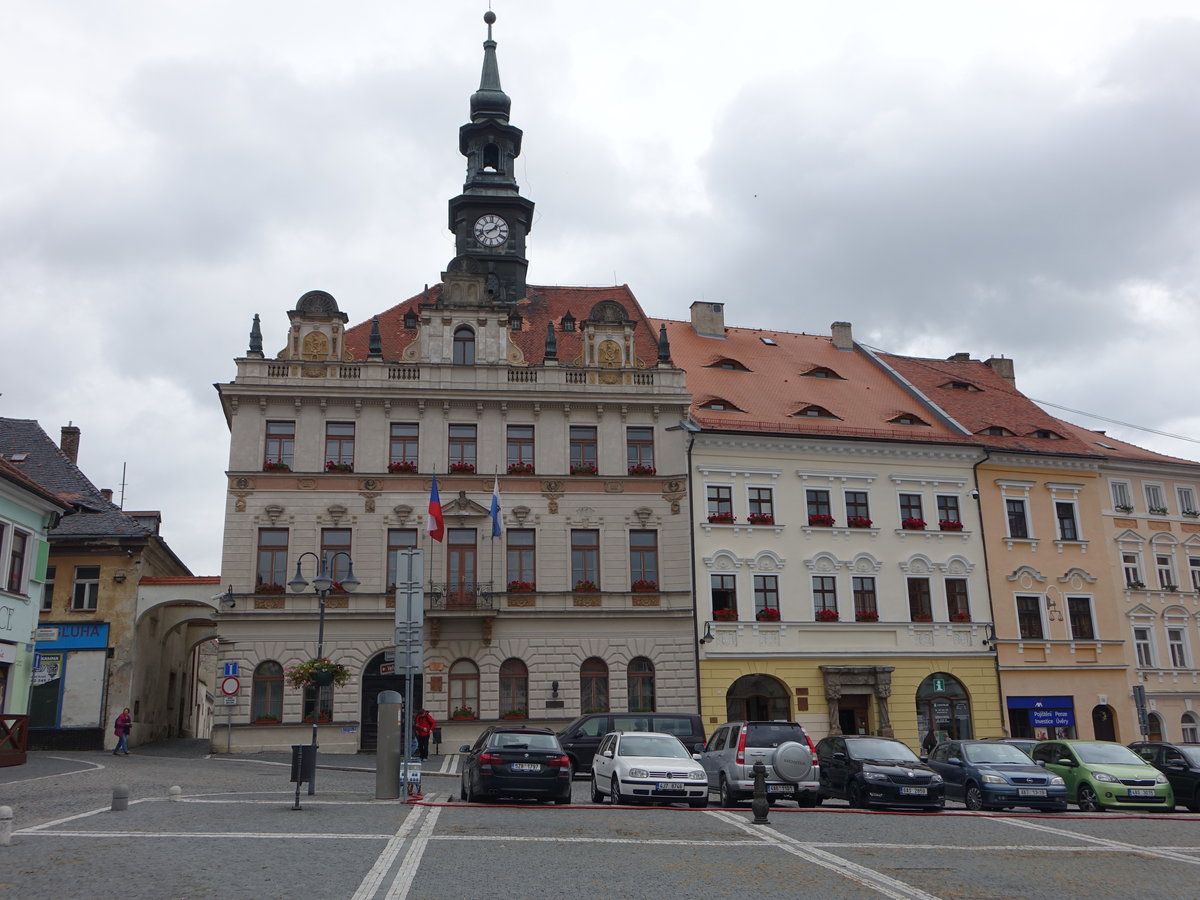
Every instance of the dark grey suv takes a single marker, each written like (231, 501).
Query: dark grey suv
(784, 748)
(1180, 763)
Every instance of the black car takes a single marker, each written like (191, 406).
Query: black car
(1180, 763)
(581, 738)
(515, 762)
(877, 771)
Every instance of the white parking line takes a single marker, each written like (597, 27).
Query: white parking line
(1161, 852)
(412, 859)
(371, 881)
(868, 878)
(449, 765)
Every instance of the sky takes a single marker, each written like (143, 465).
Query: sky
(1015, 179)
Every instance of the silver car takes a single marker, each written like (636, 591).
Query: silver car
(784, 748)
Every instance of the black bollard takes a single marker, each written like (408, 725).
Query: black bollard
(759, 804)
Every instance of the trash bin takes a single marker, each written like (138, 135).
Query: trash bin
(304, 762)
(437, 740)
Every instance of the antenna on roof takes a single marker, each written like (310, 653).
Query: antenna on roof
(122, 503)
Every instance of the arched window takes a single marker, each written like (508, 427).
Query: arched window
(514, 688)
(641, 685)
(266, 693)
(943, 710)
(464, 346)
(1154, 720)
(593, 686)
(1191, 728)
(464, 687)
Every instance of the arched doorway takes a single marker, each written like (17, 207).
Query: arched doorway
(380, 675)
(1104, 723)
(1154, 720)
(757, 697)
(943, 710)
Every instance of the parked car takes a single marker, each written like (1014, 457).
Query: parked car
(877, 771)
(996, 775)
(1180, 763)
(1104, 775)
(1025, 745)
(515, 762)
(581, 738)
(645, 765)
(784, 748)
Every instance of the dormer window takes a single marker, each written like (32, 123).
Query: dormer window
(1047, 434)
(816, 412)
(410, 321)
(822, 372)
(567, 322)
(718, 404)
(908, 419)
(731, 365)
(996, 431)
(514, 323)
(960, 386)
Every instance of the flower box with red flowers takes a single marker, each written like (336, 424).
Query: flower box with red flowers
(858, 522)
(961, 617)
(911, 524)
(721, 518)
(866, 615)
(402, 467)
(264, 588)
(643, 586)
(768, 614)
(950, 525)
(333, 466)
(760, 519)
(585, 587)
(462, 468)
(827, 615)
(584, 469)
(274, 465)
(521, 587)
(520, 468)
(922, 617)
(820, 520)
(462, 713)
(725, 614)
(642, 470)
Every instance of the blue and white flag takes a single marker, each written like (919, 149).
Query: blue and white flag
(496, 507)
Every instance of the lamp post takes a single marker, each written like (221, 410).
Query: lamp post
(322, 583)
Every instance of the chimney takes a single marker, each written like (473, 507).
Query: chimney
(1004, 368)
(106, 493)
(69, 443)
(842, 338)
(708, 319)
(960, 357)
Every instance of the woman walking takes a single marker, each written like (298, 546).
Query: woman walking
(121, 729)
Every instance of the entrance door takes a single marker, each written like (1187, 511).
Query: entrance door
(757, 698)
(1103, 723)
(380, 675)
(460, 568)
(852, 713)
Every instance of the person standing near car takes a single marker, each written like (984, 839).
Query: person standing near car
(121, 729)
(424, 725)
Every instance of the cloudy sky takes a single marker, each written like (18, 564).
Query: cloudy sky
(1017, 178)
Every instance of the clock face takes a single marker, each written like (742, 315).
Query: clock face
(491, 230)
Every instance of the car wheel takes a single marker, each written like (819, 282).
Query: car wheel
(563, 801)
(472, 795)
(614, 792)
(857, 796)
(808, 799)
(727, 797)
(1088, 801)
(462, 789)
(973, 797)
(597, 797)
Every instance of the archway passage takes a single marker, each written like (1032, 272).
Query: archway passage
(380, 675)
(943, 710)
(757, 698)
(1104, 723)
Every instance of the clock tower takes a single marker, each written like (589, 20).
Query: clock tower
(490, 218)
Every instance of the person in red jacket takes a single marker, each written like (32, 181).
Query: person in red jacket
(121, 729)
(423, 725)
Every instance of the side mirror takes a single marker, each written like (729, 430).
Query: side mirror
(1069, 763)
(608, 754)
(465, 748)
(697, 757)
(954, 761)
(1040, 762)
(699, 748)
(1177, 764)
(839, 755)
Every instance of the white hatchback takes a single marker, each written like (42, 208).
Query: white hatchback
(633, 766)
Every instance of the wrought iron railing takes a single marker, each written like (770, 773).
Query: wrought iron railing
(464, 595)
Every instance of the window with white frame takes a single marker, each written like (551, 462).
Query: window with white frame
(824, 594)
(1164, 570)
(1029, 617)
(48, 590)
(1131, 564)
(1190, 726)
(719, 500)
(1079, 614)
(1144, 645)
(86, 590)
(1068, 523)
(724, 595)
(1187, 501)
(1156, 503)
(1177, 644)
(1018, 518)
(1122, 496)
(1194, 568)
(766, 593)
(18, 558)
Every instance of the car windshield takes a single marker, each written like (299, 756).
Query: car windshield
(772, 734)
(1112, 754)
(665, 747)
(996, 753)
(880, 749)
(524, 742)
(1191, 754)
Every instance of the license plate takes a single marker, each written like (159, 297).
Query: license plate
(1031, 792)
(670, 786)
(1141, 792)
(525, 767)
(914, 791)
(779, 788)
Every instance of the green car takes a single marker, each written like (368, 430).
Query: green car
(1104, 775)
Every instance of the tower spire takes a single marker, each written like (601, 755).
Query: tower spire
(490, 101)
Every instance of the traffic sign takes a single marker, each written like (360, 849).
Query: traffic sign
(230, 685)
(231, 668)
(230, 701)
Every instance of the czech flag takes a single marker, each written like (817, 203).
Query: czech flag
(436, 522)
(495, 510)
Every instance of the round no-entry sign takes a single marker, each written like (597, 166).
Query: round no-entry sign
(230, 685)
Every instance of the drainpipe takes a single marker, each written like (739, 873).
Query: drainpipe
(987, 455)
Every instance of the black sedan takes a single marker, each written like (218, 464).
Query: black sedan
(877, 771)
(515, 762)
(1180, 763)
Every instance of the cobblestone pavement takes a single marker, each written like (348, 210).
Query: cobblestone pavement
(234, 834)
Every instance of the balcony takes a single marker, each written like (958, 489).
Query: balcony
(460, 597)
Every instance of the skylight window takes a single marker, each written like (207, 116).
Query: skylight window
(19, 457)
(768, 341)
(1105, 446)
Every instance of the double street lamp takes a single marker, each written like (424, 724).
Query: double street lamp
(322, 583)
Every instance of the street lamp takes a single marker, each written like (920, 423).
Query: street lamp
(321, 583)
